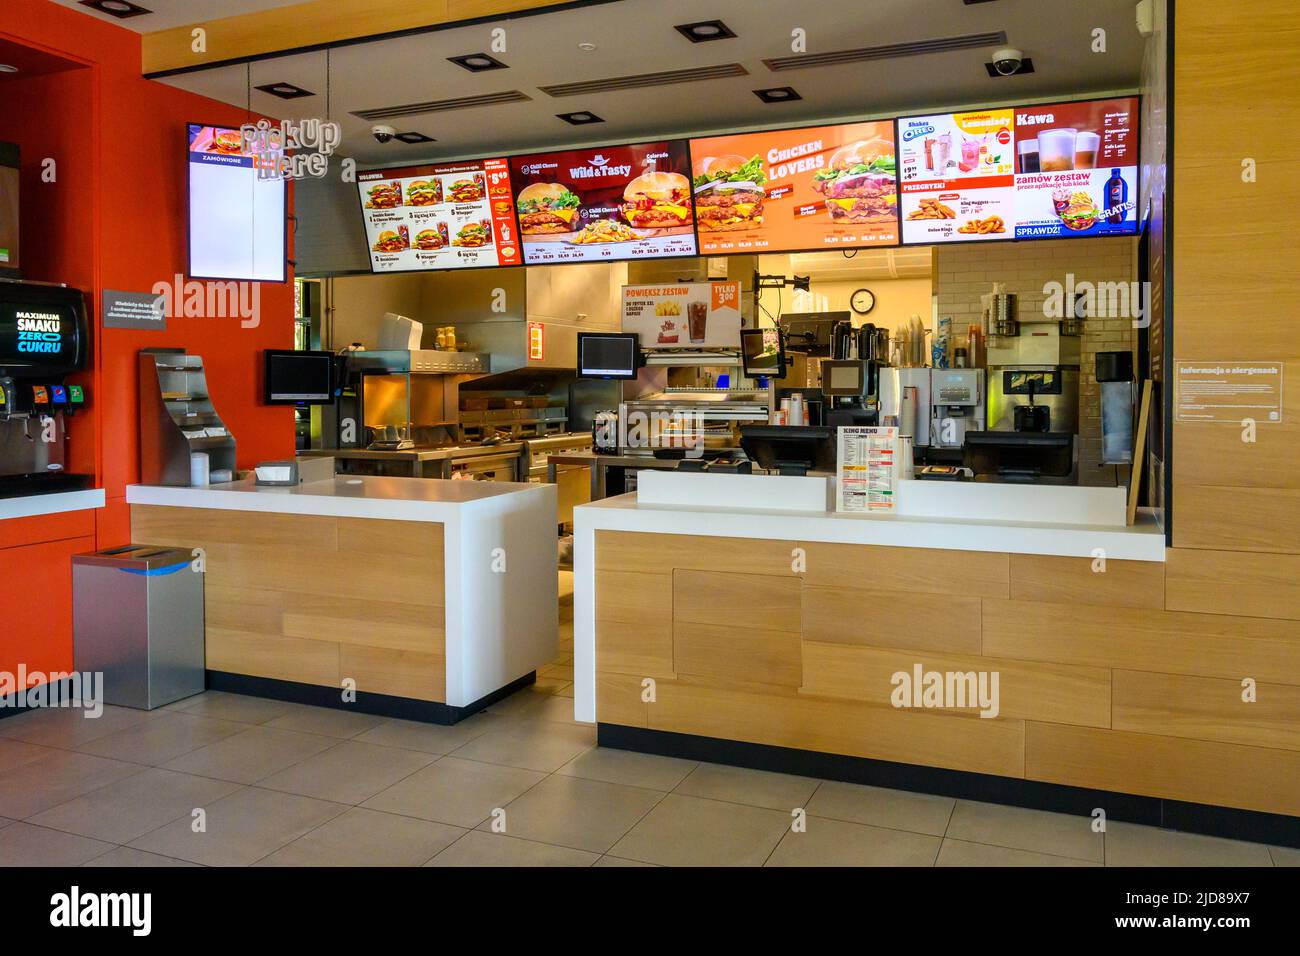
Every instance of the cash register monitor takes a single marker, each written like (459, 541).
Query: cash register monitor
(762, 352)
(1019, 456)
(790, 449)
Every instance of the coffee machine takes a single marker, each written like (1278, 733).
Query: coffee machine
(956, 405)
(43, 340)
(1034, 377)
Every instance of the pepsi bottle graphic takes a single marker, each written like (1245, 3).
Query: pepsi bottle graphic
(1116, 196)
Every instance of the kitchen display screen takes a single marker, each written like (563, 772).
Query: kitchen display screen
(1076, 169)
(237, 221)
(451, 216)
(607, 355)
(605, 205)
(298, 377)
(762, 352)
(826, 187)
(1039, 172)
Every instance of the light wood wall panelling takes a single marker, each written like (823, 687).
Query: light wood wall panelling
(1253, 519)
(1234, 582)
(382, 670)
(1041, 577)
(922, 622)
(1205, 645)
(634, 623)
(1199, 771)
(1208, 708)
(1053, 692)
(928, 570)
(661, 553)
(262, 654)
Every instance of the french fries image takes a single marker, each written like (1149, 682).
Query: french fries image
(983, 227)
(668, 308)
(932, 209)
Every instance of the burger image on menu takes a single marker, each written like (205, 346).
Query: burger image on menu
(424, 192)
(467, 190)
(385, 195)
(858, 182)
(729, 192)
(228, 142)
(430, 239)
(657, 200)
(546, 208)
(473, 235)
(390, 241)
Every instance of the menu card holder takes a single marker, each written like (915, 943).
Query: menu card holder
(177, 419)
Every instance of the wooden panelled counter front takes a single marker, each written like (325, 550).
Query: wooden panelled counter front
(1128, 680)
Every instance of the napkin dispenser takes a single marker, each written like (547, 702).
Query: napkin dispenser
(294, 471)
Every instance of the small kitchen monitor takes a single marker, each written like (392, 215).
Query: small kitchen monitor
(762, 352)
(608, 354)
(298, 377)
(844, 378)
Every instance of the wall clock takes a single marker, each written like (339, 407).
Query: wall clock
(862, 301)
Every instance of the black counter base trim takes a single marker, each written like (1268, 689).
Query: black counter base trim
(1250, 825)
(381, 705)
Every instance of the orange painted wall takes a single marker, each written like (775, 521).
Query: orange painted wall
(114, 219)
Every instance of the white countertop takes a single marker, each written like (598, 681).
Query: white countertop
(344, 496)
(1144, 541)
(32, 505)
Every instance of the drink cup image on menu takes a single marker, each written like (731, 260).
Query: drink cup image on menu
(1056, 150)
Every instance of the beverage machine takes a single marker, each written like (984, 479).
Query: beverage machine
(43, 340)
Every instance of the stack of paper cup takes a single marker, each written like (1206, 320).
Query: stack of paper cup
(199, 469)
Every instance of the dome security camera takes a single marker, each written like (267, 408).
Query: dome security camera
(1007, 60)
(382, 134)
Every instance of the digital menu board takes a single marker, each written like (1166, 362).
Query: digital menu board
(236, 219)
(957, 176)
(450, 216)
(1076, 169)
(825, 187)
(605, 204)
(1039, 172)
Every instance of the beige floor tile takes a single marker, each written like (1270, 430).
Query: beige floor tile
(583, 814)
(251, 755)
(565, 691)
(130, 808)
(531, 744)
(241, 828)
(367, 838)
(689, 831)
(838, 843)
(1285, 855)
(123, 856)
(961, 853)
(15, 753)
(755, 788)
(25, 845)
(240, 708)
(881, 807)
(1057, 834)
(351, 772)
(69, 727)
(628, 767)
(522, 700)
(460, 792)
(553, 707)
(166, 737)
(55, 778)
(1128, 844)
(478, 848)
(563, 672)
(431, 738)
(326, 721)
(619, 861)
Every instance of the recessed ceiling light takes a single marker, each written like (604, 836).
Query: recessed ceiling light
(7, 68)
(587, 47)
(414, 138)
(778, 94)
(705, 30)
(1026, 66)
(478, 62)
(286, 91)
(116, 8)
(580, 118)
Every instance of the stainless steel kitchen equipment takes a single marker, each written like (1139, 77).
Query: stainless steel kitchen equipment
(679, 420)
(178, 420)
(1039, 365)
(894, 383)
(137, 617)
(497, 462)
(957, 405)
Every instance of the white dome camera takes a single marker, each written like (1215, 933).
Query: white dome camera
(1007, 60)
(383, 134)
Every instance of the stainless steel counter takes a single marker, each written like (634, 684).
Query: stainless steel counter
(494, 462)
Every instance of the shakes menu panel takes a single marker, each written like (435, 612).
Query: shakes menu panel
(605, 204)
(826, 187)
(1076, 169)
(451, 216)
(237, 220)
(957, 176)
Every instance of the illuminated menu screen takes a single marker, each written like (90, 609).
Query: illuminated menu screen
(1040, 172)
(605, 204)
(826, 187)
(236, 219)
(451, 216)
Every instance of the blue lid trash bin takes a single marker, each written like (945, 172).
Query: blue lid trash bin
(137, 616)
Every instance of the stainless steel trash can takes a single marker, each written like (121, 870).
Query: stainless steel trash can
(137, 616)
